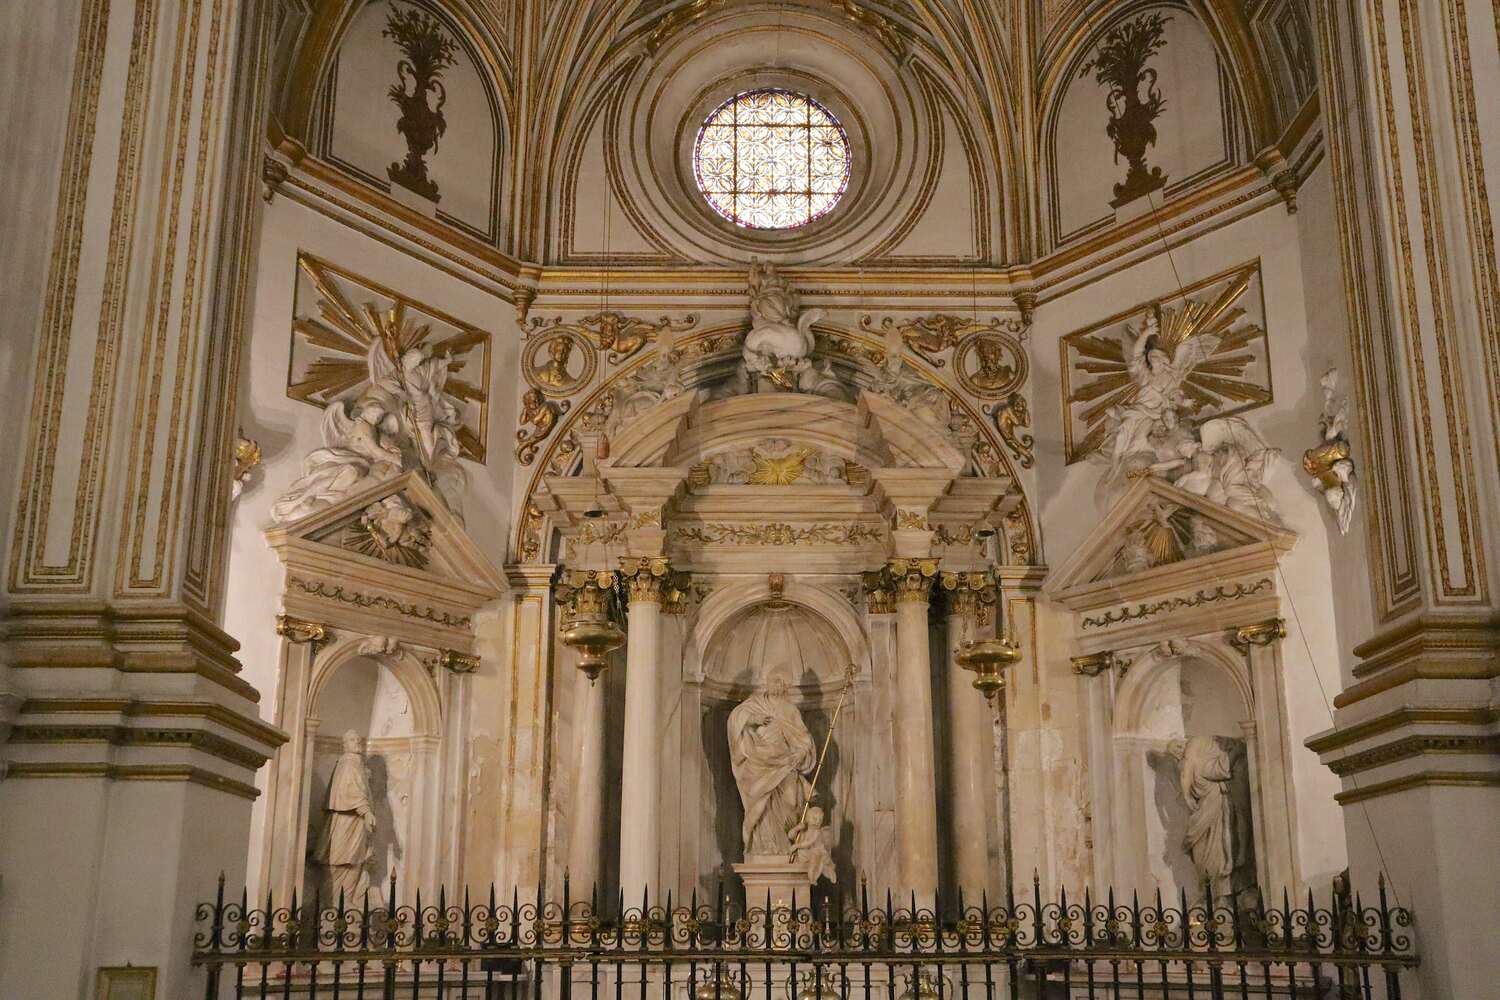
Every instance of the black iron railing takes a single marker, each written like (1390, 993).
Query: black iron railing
(841, 949)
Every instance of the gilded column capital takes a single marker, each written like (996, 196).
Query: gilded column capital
(912, 579)
(1260, 634)
(584, 592)
(646, 577)
(969, 594)
(880, 599)
(299, 630)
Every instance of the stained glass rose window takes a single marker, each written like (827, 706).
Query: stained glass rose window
(771, 159)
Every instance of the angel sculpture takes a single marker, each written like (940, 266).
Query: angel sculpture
(401, 420)
(812, 845)
(780, 333)
(1330, 463)
(1158, 371)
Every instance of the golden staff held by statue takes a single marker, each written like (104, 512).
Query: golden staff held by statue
(850, 672)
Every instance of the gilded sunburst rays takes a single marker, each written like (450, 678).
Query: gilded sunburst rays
(333, 336)
(1235, 377)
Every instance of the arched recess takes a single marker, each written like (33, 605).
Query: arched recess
(1174, 694)
(1204, 132)
(403, 758)
(300, 126)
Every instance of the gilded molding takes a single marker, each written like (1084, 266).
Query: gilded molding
(143, 736)
(133, 772)
(1416, 746)
(458, 663)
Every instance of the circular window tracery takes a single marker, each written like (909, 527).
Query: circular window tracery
(771, 159)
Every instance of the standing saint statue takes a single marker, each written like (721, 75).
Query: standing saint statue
(1207, 770)
(771, 753)
(345, 846)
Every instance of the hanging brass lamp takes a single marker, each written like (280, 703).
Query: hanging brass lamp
(988, 659)
(588, 628)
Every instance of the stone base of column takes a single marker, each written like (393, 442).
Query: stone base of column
(775, 876)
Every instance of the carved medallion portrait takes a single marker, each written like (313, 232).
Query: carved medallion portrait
(991, 365)
(559, 363)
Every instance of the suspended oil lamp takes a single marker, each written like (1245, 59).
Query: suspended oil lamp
(589, 629)
(988, 659)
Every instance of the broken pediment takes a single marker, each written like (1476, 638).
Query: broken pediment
(390, 554)
(1156, 538)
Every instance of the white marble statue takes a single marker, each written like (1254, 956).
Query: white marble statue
(1207, 768)
(771, 753)
(1330, 463)
(345, 846)
(780, 332)
(401, 420)
(812, 846)
(1221, 459)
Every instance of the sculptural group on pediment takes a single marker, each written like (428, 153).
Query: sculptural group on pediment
(401, 420)
(1154, 432)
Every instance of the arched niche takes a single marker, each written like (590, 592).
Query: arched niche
(742, 632)
(388, 700)
(1178, 693)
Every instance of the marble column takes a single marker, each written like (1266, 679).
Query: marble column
(131, 220)
(916, 792)
(586, 831)
(970, 597)
(1406, 91)
(640, 788)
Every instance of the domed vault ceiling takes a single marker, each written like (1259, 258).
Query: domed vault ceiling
(993, 66)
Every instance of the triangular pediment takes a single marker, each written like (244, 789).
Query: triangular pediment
(399, 531)
(1157, 535)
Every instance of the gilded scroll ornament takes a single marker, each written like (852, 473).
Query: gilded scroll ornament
(1011, 415)
(247, 458)
(299, 630)
(1260, 634)
(621, 335)
(426, 52)
(459, 663)
(541, 414)
(1133, 101)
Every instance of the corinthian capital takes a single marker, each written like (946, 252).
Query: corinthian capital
(969, 594)
(646, 577)
(912, 579)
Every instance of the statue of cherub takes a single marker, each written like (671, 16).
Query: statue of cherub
(812, 845)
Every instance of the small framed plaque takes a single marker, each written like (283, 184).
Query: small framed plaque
(126, 982)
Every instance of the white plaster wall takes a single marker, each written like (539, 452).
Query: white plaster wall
(1065, 497)
(287, 429)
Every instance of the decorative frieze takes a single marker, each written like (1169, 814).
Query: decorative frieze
(1150, 609)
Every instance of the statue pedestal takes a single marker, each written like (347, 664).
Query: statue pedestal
(777, 875)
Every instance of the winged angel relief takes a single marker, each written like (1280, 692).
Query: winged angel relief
(389, 384)
(1161, 399)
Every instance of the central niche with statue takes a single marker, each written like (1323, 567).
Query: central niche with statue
(769, 513)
